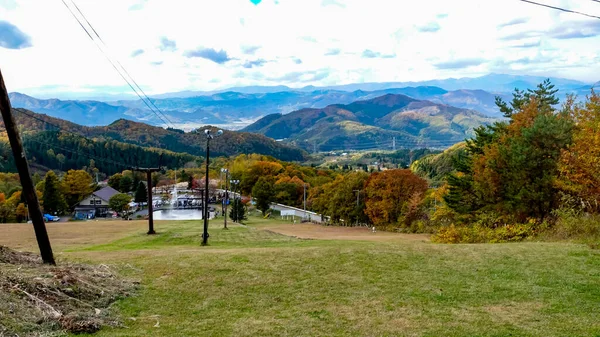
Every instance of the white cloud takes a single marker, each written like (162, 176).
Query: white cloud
(329, 37)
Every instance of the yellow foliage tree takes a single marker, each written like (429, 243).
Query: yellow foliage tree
(580, 162)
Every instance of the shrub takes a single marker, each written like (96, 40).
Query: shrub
(572, 224)
(481, 234)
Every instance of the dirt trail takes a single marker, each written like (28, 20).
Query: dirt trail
(311, 231)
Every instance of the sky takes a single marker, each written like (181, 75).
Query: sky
(175, 45)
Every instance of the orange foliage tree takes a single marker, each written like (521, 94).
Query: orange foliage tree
(580, 162)
(390, 195)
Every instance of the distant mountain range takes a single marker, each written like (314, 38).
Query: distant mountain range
(495, 83)
(234, 110)
(239, 107)
(384, 122)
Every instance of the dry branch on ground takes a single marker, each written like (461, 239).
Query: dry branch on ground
(37, 298)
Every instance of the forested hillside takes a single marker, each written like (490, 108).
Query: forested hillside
(190, 144)
(63, 151)
(373, 123)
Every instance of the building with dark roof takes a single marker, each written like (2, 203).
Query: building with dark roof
(96, 204)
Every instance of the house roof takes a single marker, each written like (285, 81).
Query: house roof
(106, 193)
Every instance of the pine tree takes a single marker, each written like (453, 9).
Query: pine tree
(512, 168)
(238, 210)
(141, 193)
(263, 193)
(54, 200)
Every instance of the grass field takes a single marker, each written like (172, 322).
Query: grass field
(256, 281)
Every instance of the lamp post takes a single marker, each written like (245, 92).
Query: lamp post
(226, 199)
(235, 183)
(209, 136)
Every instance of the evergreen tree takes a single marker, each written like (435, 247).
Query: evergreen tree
(545, 94)
(238, 210)
(263, 194)
(511, 168)
(54, 200)
(135, 183)
(141, 193)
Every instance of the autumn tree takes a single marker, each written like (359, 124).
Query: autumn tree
(54, 200)
(388, 194)
(257, 170)
(510, 168)
(114, 181)
(338, 199)
(77, 184)
(263, 194)
(5, 209)
(289, 191)
(21, 212)
(17, 207)
(580, 161)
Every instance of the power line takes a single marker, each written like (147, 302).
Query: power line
(123, 68)
(54, 146)
(120, 65)
(163, 117)
(562, 9)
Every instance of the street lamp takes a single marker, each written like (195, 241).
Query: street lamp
(235, 183)
(209, 136)
(226, 199)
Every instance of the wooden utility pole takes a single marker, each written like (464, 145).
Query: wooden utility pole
(357, 204)
(35, 213)
(149, 172)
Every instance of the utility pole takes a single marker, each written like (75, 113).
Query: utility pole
(226, 199)
(148, 172)
(209, 136)
(394, 143)
(357, 204)
(315, 146)
(304, 201)
(35, 213)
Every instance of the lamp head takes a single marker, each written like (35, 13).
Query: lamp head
(220, 132)
(207, 131)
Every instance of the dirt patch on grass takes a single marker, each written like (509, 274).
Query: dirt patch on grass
(513, 312)
(37, 299)
(311, 231)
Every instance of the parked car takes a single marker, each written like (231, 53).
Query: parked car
(50, 217)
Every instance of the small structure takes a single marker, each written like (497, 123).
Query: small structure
(95, 205)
